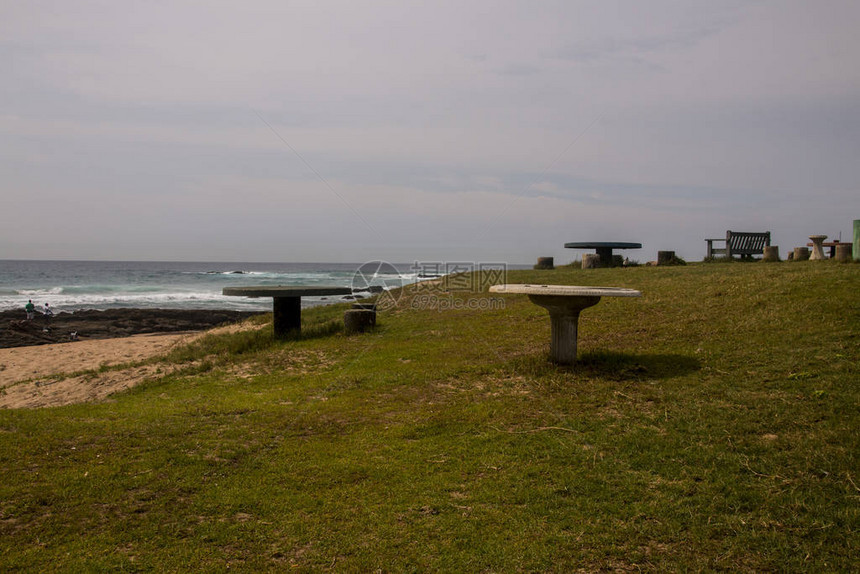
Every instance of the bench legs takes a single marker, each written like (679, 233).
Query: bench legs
(288, 316)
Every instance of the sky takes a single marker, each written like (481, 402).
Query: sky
(480, 131)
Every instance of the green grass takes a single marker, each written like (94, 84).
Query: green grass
(710, 425)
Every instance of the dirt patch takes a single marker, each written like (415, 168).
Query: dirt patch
(58, 391)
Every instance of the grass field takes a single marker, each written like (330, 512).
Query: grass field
(713, 424)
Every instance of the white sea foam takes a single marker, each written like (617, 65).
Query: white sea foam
(40, 292)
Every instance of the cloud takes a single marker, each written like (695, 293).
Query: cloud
(614, 119)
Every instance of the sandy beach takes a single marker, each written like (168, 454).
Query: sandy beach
(37, 375)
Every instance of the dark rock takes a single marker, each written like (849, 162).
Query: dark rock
(16, 331)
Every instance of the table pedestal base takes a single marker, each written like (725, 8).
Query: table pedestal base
(605, 254)
(564, 319)
(817, 248)
(287, 313)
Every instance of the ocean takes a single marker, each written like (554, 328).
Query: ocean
(76, 285)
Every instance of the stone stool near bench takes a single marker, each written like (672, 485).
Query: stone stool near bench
(771, 253)
(801, 254)
(590, 261)
(843, 252)
(360, 318)
(545, 263)
(367, 307)
(358, 321)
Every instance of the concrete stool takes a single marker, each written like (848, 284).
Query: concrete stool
(358, 320)
(545, 263)
(843, 252)
(801, 253)
(367, 307)
(590, 260)
(770, 253)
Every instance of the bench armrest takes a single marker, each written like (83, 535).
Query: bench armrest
(711, 251)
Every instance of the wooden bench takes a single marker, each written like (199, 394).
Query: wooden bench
(745, 244)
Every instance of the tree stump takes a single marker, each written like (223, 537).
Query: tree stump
(358, 321)
(590, 260)
(545, 263)
(770, 253)
(801, 253)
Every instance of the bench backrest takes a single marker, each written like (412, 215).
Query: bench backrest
(746, 243)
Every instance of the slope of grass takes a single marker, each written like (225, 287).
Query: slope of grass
(710, 425)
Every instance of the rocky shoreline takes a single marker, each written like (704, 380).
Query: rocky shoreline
(17, 331)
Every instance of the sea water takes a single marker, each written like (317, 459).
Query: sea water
(75, 285)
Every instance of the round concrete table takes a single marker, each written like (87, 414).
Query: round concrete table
(287, 302)
(817, 250)
(564, 302)
(603, 248)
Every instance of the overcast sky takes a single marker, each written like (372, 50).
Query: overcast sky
(434, 131)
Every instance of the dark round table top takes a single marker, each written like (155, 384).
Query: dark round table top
(602, 245)
(285, 291)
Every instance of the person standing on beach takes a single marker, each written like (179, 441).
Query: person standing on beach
(48, 312)
(30, 309)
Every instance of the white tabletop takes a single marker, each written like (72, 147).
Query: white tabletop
(565, 290)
